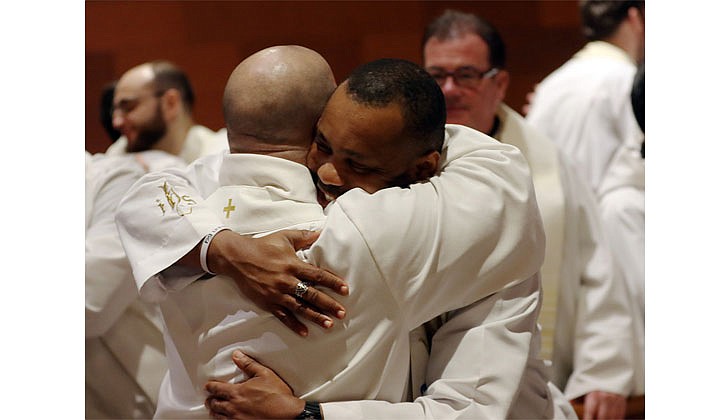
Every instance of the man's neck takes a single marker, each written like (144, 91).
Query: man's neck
(489, 127)
(628, 40)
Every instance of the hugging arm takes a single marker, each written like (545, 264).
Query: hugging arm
(162, 228)
(478, 359)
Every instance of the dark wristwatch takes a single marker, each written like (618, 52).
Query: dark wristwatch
(311, 411)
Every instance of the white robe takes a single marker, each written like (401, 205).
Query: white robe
(124, 351)
(622, 206)
(463, 340)
(361, 242)
(200, 141)
(584, 108)
(593, 346)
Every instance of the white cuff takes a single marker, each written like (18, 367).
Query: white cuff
(206, 245)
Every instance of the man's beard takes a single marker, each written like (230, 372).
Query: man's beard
(149, 134)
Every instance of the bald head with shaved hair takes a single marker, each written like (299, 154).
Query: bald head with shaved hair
(273, 100)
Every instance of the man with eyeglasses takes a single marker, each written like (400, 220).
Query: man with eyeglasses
(125, 360)
(585, 318)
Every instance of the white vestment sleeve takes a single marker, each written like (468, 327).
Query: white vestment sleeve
(623, 211)
(603, 139)
(109, 284)
(603, 341)
(464, 234)
(159, 223)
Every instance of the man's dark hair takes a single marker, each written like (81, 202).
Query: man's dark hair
(637, 96)
(105, 111)
(381, 82)
(600, 18)
(168, 76)
(454, 24)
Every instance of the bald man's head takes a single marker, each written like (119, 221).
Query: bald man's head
(275, 97)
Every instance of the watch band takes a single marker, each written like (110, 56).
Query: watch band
(311, 411)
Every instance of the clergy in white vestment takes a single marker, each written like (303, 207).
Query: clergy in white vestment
(125, 359)
(152, 109)
(124, 351)
(584, 105)
(622, 207)
(585, 318)
(405, 266)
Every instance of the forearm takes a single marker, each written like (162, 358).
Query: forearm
(477, 220)
(159, 223)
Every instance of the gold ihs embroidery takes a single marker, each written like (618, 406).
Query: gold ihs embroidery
(160, 204)
(181, 204)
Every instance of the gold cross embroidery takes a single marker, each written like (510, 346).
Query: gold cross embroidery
(229, 208)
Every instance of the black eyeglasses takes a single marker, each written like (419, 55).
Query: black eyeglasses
(468, 77)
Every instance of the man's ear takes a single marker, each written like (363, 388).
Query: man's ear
(502, 80)
(424, 166)
(636, 19)
(172, 104)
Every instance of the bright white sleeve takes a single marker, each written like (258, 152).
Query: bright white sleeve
(466, 233)
(623, 213)
(159, 222)
(603, 336)
(109, 283)
(603, 137)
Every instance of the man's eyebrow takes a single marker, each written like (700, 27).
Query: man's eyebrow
(124, 100)
(354, 154)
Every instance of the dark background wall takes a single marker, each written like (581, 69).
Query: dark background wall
(209, 38)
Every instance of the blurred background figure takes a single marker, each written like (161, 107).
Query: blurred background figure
(589, 337)
(151, 108)
(622, 207)
(584, 105)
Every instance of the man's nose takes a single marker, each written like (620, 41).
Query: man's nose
(449, 87)
(328, 175)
